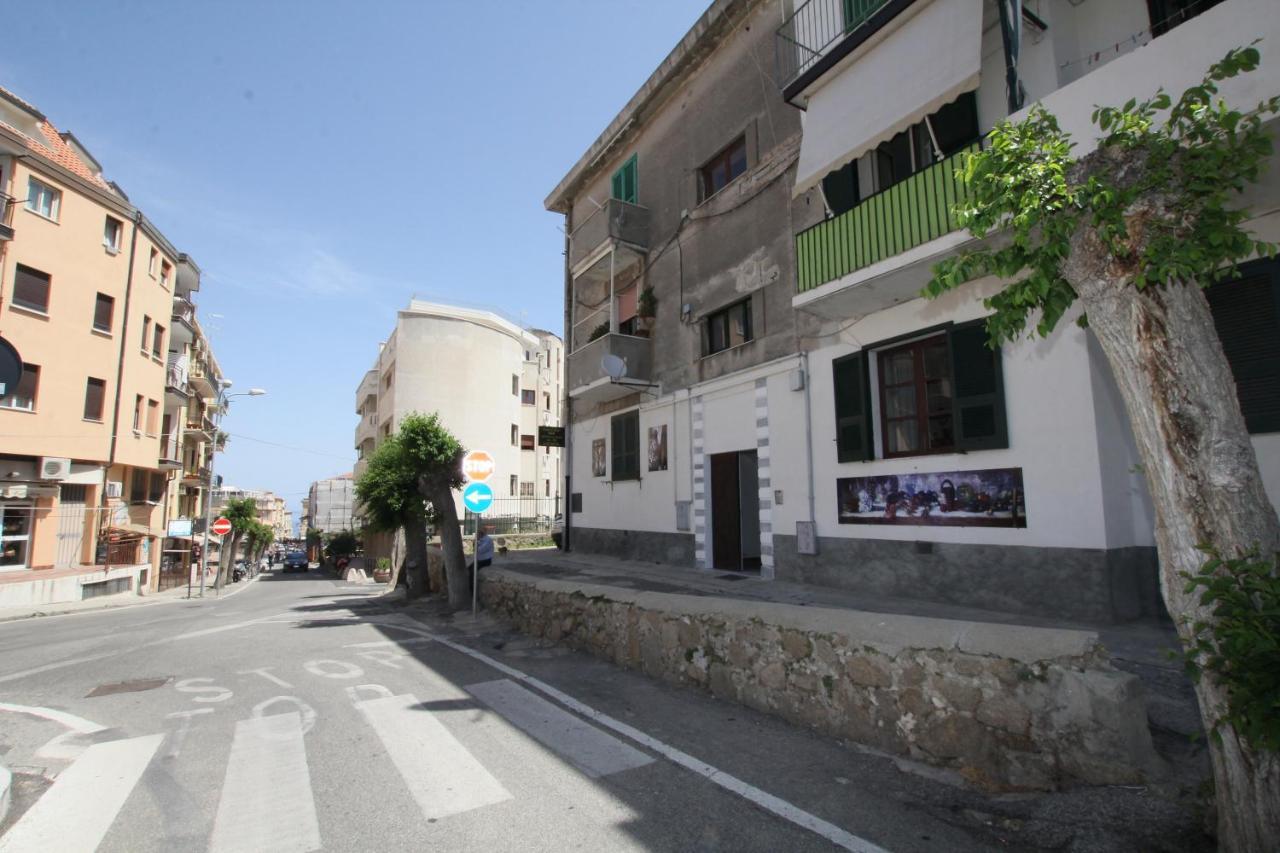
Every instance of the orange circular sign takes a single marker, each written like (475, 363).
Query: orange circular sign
(478, 465)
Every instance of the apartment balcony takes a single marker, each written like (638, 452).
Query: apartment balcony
(170, 452)
(588, 379)
(197, 476)
(187, 280)
(367, 392)
(202, 381)
(177, 391)
(880, 252)
(6, 230)
(367, 429)
(822, 32)
(610, 242)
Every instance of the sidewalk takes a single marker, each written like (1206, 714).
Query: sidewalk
(124, 599)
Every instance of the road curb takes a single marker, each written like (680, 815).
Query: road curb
(146, 601)
(6, 780)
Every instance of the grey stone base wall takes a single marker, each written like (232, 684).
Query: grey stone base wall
(1008, 707)
(673, 548)
(1084, 584)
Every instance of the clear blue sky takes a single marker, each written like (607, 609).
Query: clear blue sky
(323, 161)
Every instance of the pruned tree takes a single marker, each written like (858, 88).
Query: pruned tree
(243, 514)
(435, 456)
(1132, 231)
(388, 495)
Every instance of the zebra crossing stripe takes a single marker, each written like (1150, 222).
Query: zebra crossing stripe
(76, 812)
(586, 747)
(443, 777)
(266, 801)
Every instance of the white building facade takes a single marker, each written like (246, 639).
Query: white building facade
(331, 504)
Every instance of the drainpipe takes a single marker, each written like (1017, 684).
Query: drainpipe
(567, 419)
(808, 443)
(124, 337)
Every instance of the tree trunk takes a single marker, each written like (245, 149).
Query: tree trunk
(415, 557)
(1202, 473)
(455, 561)
(227, 559)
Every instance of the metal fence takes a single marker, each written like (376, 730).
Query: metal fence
(515, 515)
(813, 29)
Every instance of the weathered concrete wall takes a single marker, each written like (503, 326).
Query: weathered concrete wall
(1085, 584)
(1008, 707)
(650, 546)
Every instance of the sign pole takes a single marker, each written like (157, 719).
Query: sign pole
(475, 566)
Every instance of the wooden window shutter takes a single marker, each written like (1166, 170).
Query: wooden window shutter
(853, 408)
(1246, 312)
(616, 190)
(979, 389)
(625, 452)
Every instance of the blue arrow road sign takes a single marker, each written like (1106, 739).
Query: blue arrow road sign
(477, 497)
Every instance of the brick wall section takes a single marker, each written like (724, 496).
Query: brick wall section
(1008, 707)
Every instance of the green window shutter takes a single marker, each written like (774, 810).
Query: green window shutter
(616, 190)
(623, 183)
(625, 435)
(853, 408)
(979, 389)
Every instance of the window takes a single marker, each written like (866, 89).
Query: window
(95, 393)
(152, 261)
(515, 435)
(1167, 14)
(104, 309)
(515, 483)
(15, 534)
(625, 431)
(546, 401)
(166, 272)
(546, 488)
(515, 385)
(526, 442)
(153, 417)
(24, 395)
(526, 490)
(1246, 312)
(529, 398)
(720, 170)
(729, 327)
(146, 333)
(157, 342)
(111, 233)
(31, 289)
(156, 493)
(138, 484)
(43, 199)
(943, 392)
(623, 183)
(137, 413)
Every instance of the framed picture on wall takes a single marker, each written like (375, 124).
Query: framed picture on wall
(658, 448)
(988, 498)
(597, 458)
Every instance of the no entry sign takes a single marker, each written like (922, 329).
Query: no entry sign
(221, 526)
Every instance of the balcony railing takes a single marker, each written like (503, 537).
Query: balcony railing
(175, 374)
(587, 364)
(908, 214)
(811, 31)
(6, 230)
(619, 220)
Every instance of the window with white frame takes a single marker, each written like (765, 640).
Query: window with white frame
(43, 199)
(23, 395)
(111, 232)
(15, 535)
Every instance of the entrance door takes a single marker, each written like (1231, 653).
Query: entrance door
(71, 511)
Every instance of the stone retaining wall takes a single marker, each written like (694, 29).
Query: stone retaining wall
(1009, 707)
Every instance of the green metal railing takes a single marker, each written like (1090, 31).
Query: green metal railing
(906, 215)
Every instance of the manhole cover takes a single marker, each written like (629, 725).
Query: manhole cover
(136, 686)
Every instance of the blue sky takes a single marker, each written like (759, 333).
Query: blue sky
(323, 161)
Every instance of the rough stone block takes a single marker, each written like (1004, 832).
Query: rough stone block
(1003, 711)
(867, 671)
(959, 694)
(796, 645)
(773, 676)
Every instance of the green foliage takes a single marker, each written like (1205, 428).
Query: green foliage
(431, 451)
(242, 513)
(313, 537)
(1240, 646)
(260, 535)
(344, 543)
(599, 331)
(383, 564)
(648, 302)
(1027, 186)
(387, 490)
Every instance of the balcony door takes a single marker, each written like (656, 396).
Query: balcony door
(735, 515)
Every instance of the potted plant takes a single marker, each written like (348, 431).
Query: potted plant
(647, 309)
(382, 570)
(599, 331)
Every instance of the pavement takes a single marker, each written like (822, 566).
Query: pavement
(123, 599)
(310, 714)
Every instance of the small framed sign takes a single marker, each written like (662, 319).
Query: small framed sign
(551, 436)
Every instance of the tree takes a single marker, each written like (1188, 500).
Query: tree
(243, 514)
(1133, 231)
(435, 457)
(344, 543)
(388, 495)
(313, 539)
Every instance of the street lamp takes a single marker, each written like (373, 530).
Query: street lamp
(208, 495)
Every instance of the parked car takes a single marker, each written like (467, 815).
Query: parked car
(295, 561)
(557, 531)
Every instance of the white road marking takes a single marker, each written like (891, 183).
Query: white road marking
(379, 692)
(443, 777)
(71, 721)
(383, 656)
(51, 666)
(197, 685)
(265, 672)
(327, 668)
(307, 713)
(207, 631)
(377, 643)
(266, 802)
(77, 811)
(586, 747)
(180, 736)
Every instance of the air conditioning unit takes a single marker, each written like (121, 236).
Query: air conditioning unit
(115, 488)
(54, 468)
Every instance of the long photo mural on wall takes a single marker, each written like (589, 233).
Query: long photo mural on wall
(989, 498)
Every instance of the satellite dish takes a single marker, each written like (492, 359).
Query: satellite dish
(614, 366)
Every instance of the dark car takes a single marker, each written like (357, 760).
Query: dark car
(295, 561)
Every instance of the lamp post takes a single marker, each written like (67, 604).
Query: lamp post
(208, 495)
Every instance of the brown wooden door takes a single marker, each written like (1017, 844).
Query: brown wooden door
(726, 526)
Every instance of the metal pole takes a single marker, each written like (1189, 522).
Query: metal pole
(208, 496)
(475, 566)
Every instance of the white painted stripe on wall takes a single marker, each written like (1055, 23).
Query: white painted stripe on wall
(74, 815)
(266, 801)
(443, 777)
(590, 750)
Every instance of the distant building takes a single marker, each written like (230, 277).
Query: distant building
(270, 507)
(330, 504)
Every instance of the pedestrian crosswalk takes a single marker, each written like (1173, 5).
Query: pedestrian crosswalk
(266, 801)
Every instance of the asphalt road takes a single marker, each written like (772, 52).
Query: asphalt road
(302, 714)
